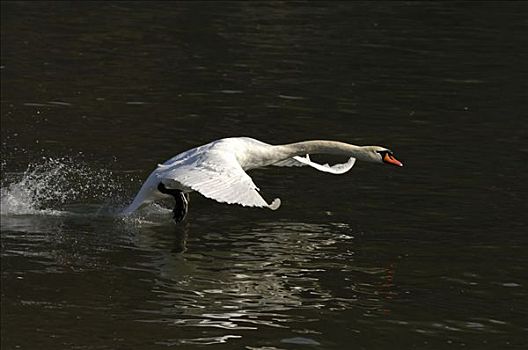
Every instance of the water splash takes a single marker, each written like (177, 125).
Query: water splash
(47, 187)
(154, 214)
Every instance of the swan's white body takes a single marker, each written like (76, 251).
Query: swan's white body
(217, 170)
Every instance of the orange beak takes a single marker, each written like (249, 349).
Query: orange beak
(391, 160)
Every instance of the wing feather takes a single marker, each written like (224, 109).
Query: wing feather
(333, 169)
(218, 176)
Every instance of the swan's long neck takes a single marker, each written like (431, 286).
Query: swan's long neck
(259, 157)
(321, 147)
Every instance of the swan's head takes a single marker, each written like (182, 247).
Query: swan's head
(379, 154)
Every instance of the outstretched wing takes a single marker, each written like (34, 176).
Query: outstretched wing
(216, 175)
(333, 169)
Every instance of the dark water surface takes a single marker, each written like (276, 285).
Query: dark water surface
(430, 256)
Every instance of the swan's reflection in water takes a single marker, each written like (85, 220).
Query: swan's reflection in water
(275, 274)
(205, 281)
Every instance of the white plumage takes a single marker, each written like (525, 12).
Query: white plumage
(217, 170)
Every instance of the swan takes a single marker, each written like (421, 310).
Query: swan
(217, 170)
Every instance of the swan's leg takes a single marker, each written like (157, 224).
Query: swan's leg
(181, 205)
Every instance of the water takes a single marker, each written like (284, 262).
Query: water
(429, 256)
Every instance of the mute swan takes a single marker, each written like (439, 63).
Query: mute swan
(217, 170)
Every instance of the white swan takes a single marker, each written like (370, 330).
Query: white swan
(217, 170)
